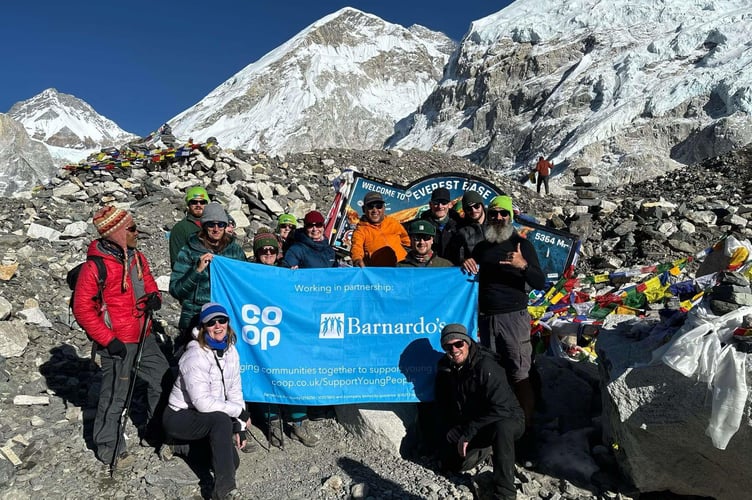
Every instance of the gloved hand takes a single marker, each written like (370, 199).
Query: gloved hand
(116, 348)
(152, 302)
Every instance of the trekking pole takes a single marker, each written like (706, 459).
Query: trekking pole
(122, 421)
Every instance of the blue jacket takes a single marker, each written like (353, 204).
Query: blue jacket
(306, 253)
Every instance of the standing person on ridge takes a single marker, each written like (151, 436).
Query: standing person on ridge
(543, 167)
(115, 325)
(196, 199)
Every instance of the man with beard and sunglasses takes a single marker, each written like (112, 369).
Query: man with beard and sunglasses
(506, 263)
(378, 240)
(196, 199)
(472, 230)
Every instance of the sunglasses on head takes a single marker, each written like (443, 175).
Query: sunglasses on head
(421, 237)
(286, 226)
(220, 225)
(197, 202)
(267, 251)
(222, 321)
(314, 224)
(131, 229)
(496, 213)
(453, 345)
(474, 206)
(375, 204)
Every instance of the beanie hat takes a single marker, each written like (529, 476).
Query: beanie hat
(287, 219)
(441, 194)
(196, 193)
(313, 217)
(214, 212)
(112, 224)
(422, 227)
(471, 198)
(212, 310)
(502, 202)
(454, 331)
(264, 238)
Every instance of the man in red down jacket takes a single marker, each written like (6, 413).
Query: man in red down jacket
(115, 324)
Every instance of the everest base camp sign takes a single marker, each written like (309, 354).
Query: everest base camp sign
(341, 335)
(557, 250)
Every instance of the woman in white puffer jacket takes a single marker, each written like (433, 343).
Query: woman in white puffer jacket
(207, 398)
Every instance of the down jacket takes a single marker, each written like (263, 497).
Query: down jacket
(306, 253)
(121, 305)
(190, 287)
(379, 245)
(208, 382)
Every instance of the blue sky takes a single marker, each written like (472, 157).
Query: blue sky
(140, 63)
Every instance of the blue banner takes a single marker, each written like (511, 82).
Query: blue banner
(341, 335)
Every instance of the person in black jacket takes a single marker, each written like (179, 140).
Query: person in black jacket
(472, 230)
(476, 409)
(506, 263)
(444, 217)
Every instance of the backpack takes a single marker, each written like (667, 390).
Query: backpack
(72, 278)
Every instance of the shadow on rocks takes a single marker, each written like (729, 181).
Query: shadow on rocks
(73, 379)
(377, 485)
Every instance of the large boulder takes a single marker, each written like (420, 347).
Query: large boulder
(657, 419)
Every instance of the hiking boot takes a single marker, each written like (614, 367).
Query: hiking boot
(250, 443)
(475, 457)
(276, 438)
(302, 433)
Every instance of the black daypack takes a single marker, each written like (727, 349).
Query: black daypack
(72, 278)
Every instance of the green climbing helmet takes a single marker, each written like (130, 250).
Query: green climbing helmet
(287, 219)
(196, 193)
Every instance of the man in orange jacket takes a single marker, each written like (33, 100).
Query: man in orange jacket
(543, 167)
(378, 240)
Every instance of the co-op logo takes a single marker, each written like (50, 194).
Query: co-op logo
(261, 326)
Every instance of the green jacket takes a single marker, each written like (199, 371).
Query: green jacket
(190, 287)
(179, 236)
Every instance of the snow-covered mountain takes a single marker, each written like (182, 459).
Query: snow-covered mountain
(642, 85)
(69, 127)
(24, 162)
(342, 82)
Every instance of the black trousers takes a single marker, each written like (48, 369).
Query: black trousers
(500, 436)
(190, 425)
(115, 381)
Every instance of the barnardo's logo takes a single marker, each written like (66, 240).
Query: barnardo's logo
(261, 327)
(332, 326)
(336, 326)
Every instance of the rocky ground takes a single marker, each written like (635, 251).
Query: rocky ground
(48, 384)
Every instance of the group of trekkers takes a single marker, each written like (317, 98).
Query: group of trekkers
(484, 396)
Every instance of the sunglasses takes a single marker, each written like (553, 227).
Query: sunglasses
(222, 321)
(421, 237)
(439, 203)
(474, 206)
(453, 345)
(286, 226)
(131, 229)
(197, 202)
(314, 224)
(220, 225)
(496, 213)
(267, 251)
(376, 204)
